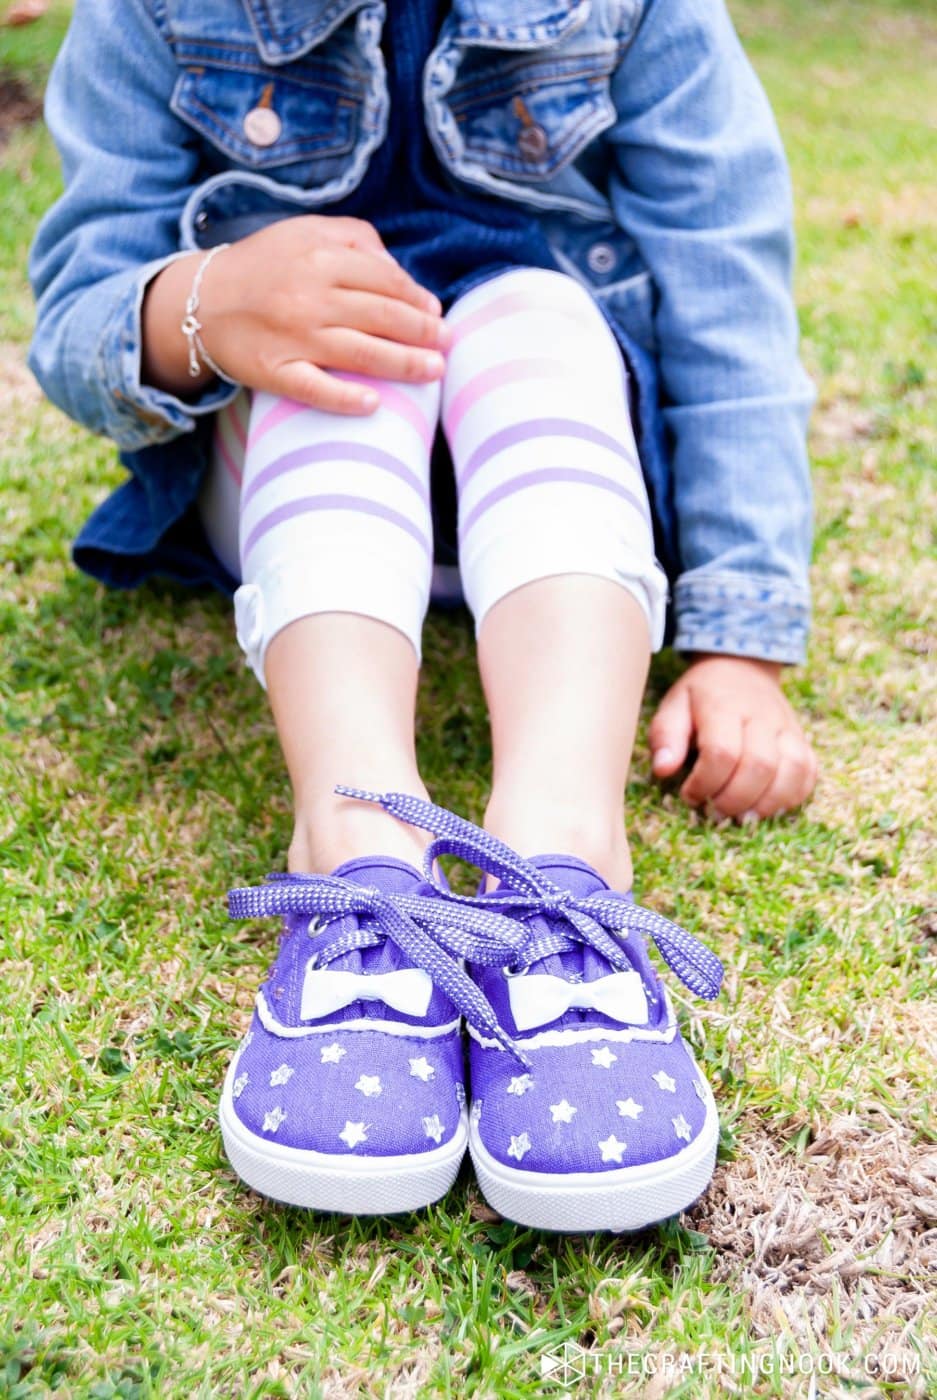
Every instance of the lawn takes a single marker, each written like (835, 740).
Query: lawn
(139, 778)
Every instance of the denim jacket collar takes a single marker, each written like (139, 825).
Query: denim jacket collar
(287, 29)
(509, 25)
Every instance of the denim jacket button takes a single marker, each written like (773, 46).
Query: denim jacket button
(262, 126)
(532, 142)
(601, 257)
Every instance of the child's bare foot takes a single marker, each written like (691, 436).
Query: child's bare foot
(533, 826)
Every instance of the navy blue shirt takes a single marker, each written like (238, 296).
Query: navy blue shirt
(447, 238)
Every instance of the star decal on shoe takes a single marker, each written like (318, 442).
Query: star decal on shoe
(331, 1054)
(681, 1127)
(664, 1081)
(520, 1146)
(239, 1085)
(273, 1119)
(420, 1068)
(369, 1085)
(603, 1058)
(562, 1111)
(700, 1090)
(245, 1042)
(282, 1075)
(628, 1108)
(611, 1149)
(353, 1133)
(520, 1084)
(433, 1127)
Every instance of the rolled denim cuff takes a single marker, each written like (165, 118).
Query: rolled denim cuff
(737, 615)
(135, 414)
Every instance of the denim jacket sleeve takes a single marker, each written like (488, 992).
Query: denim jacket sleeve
(700, 181)
(128, 167)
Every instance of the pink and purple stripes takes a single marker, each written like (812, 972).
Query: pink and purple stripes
(291, 440)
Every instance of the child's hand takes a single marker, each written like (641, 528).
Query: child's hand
(753, 757)
(282, 307)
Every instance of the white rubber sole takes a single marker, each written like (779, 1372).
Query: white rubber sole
(574, 1202)
(341, 1183)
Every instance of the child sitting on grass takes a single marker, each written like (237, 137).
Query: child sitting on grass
(306, 252)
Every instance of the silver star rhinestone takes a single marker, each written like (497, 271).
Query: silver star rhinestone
(604, 1057)
(433, 1127)
(460, 1095)
(628, 1108)
(520, 1084)
(562, 1112)
(681, 1127)
(331, 1054)
(664, 1081)
(520, 1146)
(420, 1068)
(281, 1075)
(273, 1119)
(369, 1085)
(239, 1085)
(611, 1149)
(475, 1112)
(353, 1133)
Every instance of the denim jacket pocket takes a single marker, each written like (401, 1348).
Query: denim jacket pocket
(525, 117)
(295, 122)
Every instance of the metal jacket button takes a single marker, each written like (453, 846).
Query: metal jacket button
(532, 142)
(601, 257)
(262, 126)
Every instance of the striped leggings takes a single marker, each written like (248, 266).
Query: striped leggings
(318, 512)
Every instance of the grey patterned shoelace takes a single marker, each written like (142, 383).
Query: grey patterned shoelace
(598, 920)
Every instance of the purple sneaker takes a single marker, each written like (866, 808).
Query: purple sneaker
(347, 1092)
(613, 1127)
(595, 1115)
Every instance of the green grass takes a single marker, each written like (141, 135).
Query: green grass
(140, 777)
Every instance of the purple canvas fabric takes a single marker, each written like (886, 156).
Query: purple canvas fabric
(336, 1090)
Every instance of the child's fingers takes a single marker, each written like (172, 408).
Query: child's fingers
(363, 272)
(388, 318)
(794, 780)
(670, 732)
(382, 359)
(753, 774)
(306, 383)
(719, 744)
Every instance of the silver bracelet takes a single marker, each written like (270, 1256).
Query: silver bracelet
(191, 327)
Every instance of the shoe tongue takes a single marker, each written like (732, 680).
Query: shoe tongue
(390, 876)
(385, 873)
(570, 873)
(580, 879)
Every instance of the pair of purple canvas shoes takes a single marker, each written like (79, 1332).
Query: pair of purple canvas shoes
(349, 1093)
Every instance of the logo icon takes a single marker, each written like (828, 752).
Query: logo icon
(566, 1364)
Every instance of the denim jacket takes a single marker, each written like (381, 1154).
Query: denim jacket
(643, 143)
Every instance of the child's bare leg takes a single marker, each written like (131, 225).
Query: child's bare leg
(564, 661)
(343, 692)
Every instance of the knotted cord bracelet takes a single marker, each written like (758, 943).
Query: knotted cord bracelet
(191, 327)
